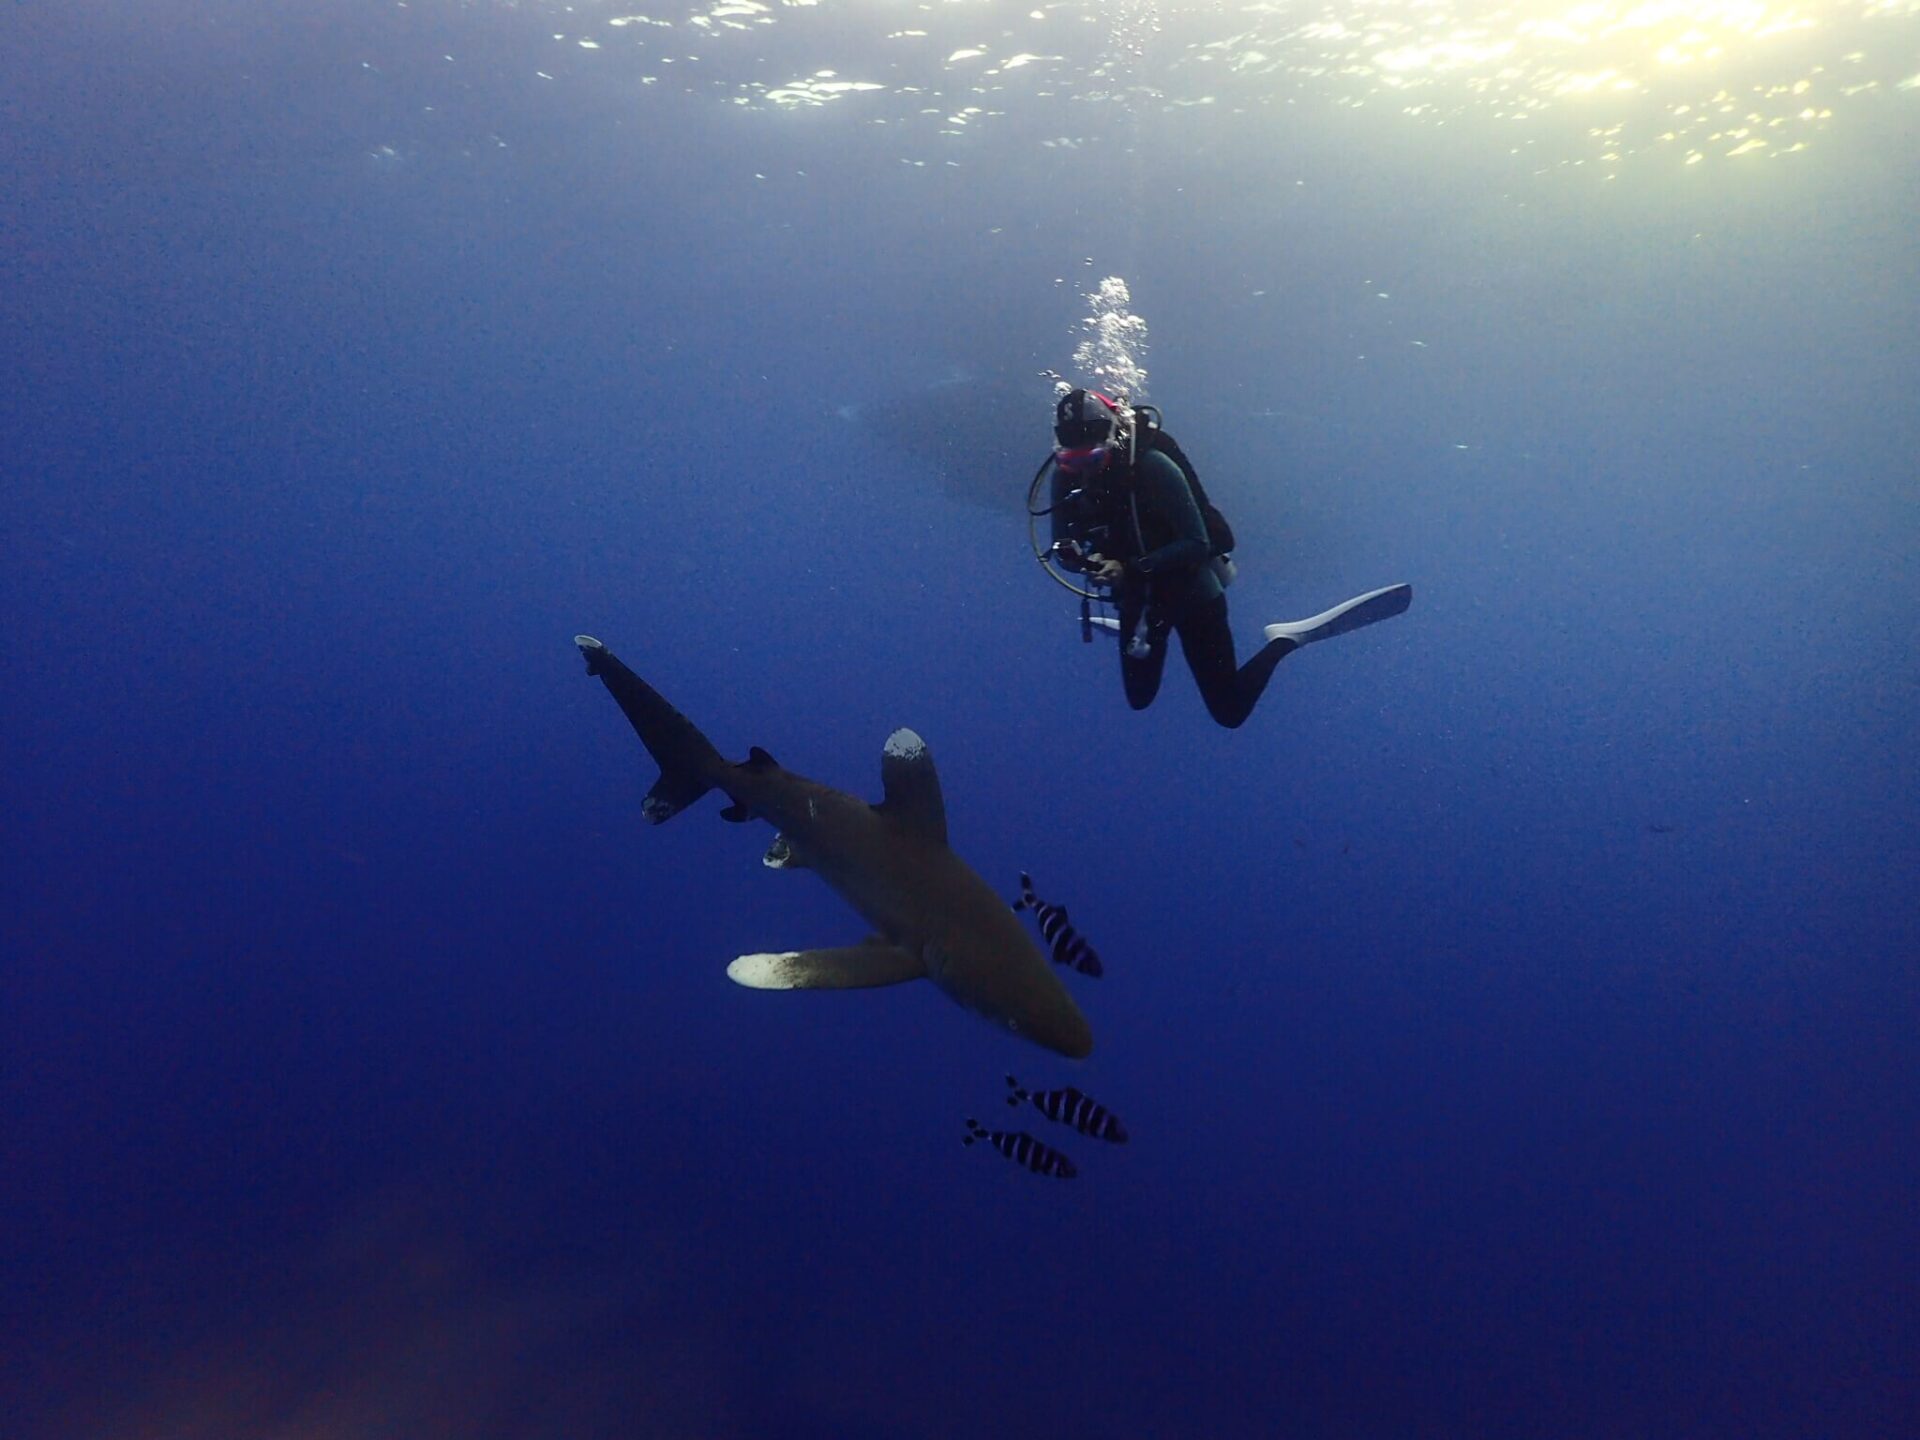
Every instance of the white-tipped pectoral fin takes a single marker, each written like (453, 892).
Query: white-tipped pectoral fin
(782, 856)
(846, 967)
(1348, 615)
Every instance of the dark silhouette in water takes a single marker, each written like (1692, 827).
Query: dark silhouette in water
(967, 432)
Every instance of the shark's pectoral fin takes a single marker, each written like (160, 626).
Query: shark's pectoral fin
(781, 856)
(847, 967)
(912, 786)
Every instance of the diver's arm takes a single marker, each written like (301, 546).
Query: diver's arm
(1164, 490)
(1069, 549)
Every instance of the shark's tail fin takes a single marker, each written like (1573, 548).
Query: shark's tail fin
(689, 765)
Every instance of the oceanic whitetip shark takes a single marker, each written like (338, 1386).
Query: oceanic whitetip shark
(933, 917)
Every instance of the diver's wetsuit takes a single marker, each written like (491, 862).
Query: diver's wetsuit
(1170, 580)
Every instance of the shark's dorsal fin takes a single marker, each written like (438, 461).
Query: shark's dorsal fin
(913, 786)
(758, 759)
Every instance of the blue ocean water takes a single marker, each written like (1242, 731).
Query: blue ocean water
(1515, 1021)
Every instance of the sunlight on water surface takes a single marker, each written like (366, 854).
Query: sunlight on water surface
(1694, 79)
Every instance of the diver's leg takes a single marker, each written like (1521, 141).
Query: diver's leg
(1207, 640)
(1141, 676)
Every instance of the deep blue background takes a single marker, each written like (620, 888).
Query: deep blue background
(1516, 1020)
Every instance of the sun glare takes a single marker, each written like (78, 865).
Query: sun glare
(1696, 79)
(1703, 79)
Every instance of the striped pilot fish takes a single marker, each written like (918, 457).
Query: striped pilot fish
(1069, 1106)
(1069, 946)
(1023, 1149)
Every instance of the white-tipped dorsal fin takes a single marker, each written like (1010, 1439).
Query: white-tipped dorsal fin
(912, 786)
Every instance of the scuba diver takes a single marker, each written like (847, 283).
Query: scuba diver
(1131, 519)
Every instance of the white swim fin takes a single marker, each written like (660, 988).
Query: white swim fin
(1375, 605)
